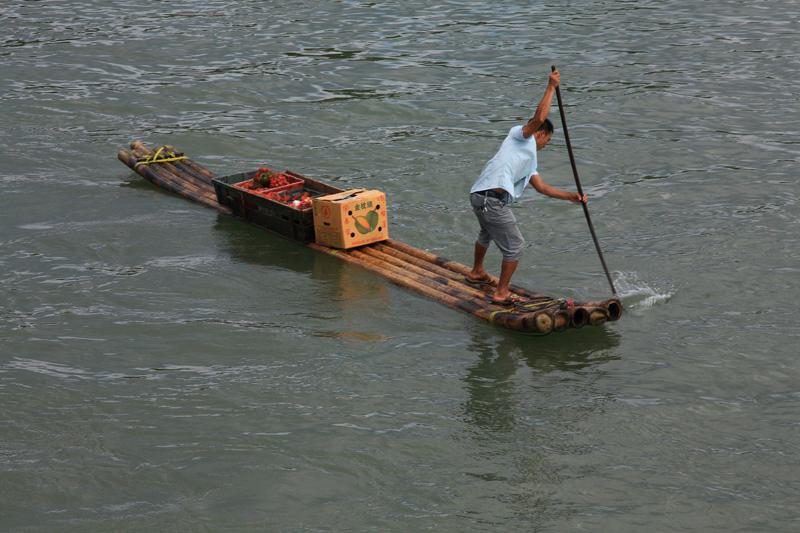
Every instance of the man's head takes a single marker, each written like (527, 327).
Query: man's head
(543, 134)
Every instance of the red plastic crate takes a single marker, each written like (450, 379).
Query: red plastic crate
(294, 182)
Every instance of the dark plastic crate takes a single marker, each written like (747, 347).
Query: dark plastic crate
(267, 213)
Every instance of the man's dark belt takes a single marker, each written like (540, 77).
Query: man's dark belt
(493, 194)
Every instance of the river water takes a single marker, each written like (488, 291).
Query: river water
(164, 367)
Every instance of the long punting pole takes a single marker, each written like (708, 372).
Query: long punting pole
(580, 189)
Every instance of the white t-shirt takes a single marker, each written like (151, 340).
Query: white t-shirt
(511, 167)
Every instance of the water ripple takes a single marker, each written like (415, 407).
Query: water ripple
(174, 367)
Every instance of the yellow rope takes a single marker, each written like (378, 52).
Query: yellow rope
(533, 306)
(169, 158)
(493, 313)
(525, 307)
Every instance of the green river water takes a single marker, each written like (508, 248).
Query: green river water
(164, 367)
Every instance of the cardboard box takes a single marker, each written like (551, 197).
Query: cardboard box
(350, 218)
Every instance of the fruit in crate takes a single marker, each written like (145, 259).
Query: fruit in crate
(301, 201)
(266, 178)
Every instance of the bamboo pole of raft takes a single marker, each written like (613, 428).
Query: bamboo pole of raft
(192, 171)
(421, 275)
(598, 316)
(612, 306)
(142, 151)
(168, 181)
(443, 280)
(562, 318)
(160, 178)
(176, 184)
(187, 170)
(540, 321)
(455, 266)
(455, 276)
(166, 170)
(427, 265)
(199, 170)
(594, 313)
(186, 166)
(418, 279)
(572, 318)
(169, 171)
(399, 279)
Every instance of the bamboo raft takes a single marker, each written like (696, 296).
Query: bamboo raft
(432, 276)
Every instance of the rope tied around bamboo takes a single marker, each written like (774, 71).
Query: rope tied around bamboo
(169, 157)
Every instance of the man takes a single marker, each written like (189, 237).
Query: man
(503, 180)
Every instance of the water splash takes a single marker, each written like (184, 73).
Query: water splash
(636, 293)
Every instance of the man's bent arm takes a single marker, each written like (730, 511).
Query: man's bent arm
(543, 109)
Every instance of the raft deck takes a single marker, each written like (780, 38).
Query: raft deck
(432, 276)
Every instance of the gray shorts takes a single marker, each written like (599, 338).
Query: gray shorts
(499, 225)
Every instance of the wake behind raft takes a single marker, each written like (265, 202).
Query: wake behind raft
(352, 226)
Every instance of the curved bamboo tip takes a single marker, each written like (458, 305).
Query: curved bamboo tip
(598, 316)
(614, 309)
(139, 145)
(579, 317)
(544, 322)
(561, 320)
(594, 313)
(540, 322)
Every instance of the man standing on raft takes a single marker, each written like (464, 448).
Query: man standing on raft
(504, 179)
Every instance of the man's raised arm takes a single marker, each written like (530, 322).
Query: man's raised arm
(543, 109)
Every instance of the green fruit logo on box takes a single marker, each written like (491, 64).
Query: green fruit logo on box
(367, 223)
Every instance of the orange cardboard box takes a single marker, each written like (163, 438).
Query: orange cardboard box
(350, 218)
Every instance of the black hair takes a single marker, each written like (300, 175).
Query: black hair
(546, 127)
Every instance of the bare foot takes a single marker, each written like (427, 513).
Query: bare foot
(504, 298)
(480, 276)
